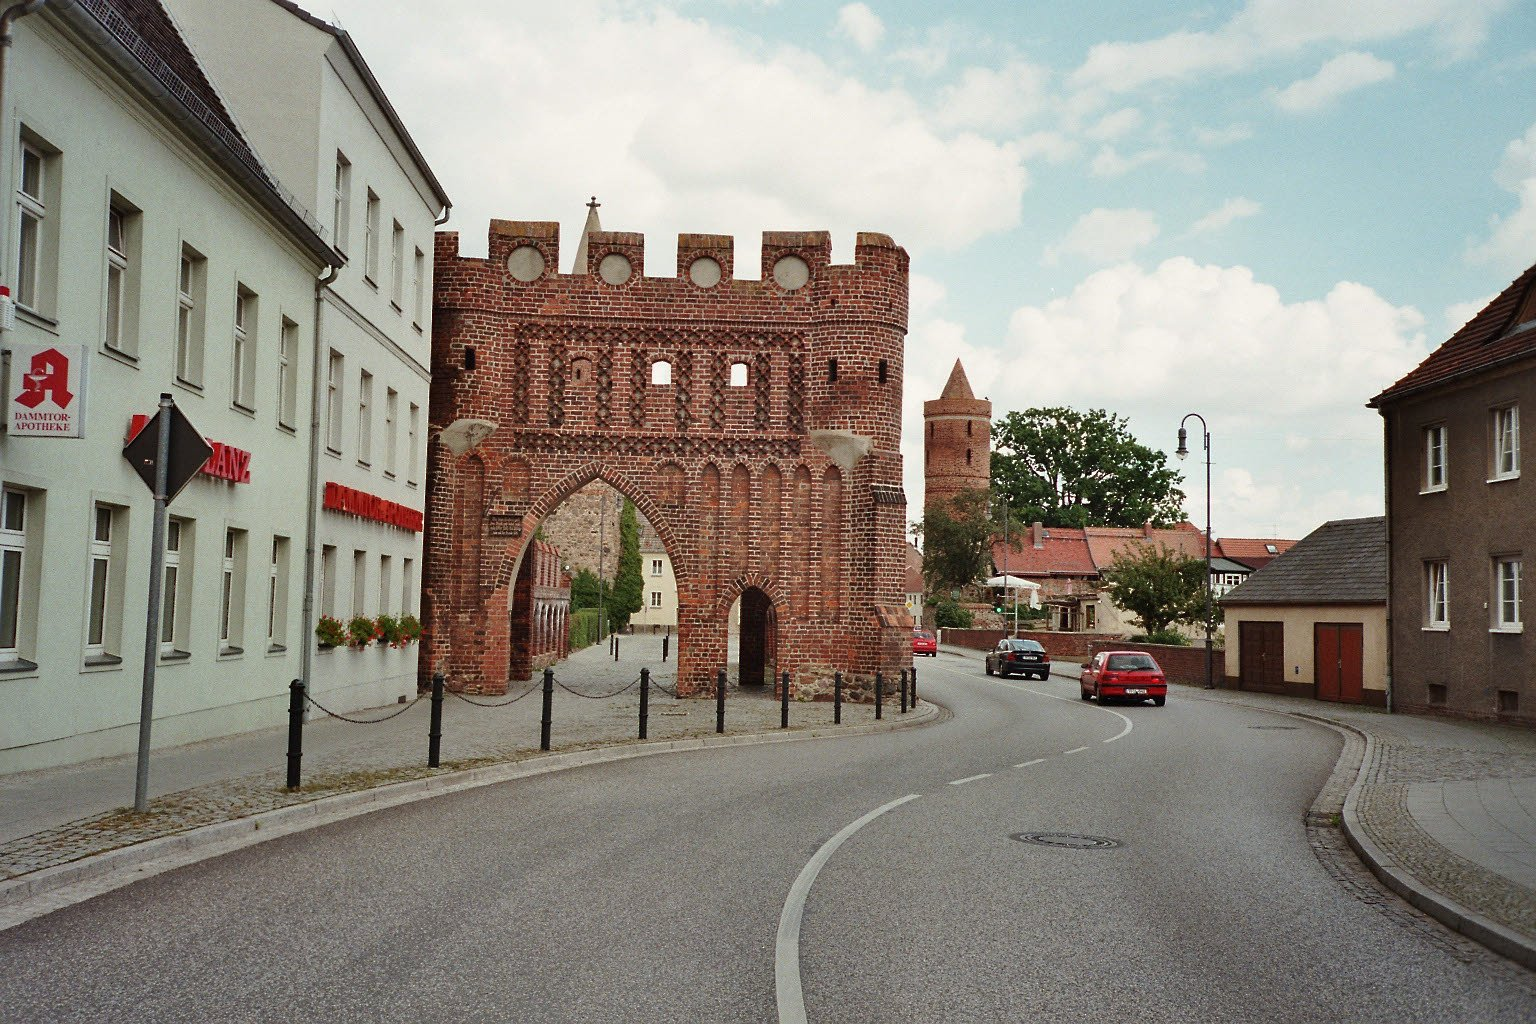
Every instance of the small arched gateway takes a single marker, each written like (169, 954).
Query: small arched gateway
(765, 456)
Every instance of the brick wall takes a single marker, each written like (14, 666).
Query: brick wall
(1180, 664)
(1070, 646)
(789, 484)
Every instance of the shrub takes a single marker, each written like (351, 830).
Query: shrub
(1166, 637)
(583, 628)
(949, 615)
(389, 631)
(410, 628)
(330, 632)
(361, 631)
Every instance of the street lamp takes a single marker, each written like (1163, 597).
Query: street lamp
(1183, 453)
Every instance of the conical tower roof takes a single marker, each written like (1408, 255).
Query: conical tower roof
(592, 224)
(958, 387)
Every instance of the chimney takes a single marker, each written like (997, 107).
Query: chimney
(1146, 530)
(1039, 529)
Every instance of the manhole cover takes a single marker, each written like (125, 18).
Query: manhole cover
(1272, 727)
(1066, 840)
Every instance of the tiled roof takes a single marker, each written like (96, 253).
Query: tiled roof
(1105, 543)
(957, 387)
(1064, 552)
(1340, 562)
(1493, 336)
(1253, 551)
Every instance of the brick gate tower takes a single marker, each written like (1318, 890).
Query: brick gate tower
(957, 441)
(754, 423)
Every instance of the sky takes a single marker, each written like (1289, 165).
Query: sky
(1261, 212)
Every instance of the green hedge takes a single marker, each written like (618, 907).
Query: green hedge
(583, 628)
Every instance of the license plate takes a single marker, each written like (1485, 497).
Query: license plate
(1135, 689)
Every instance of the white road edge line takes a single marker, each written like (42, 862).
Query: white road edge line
(786, 966)
(1053, 696)
(971, 778)
(1075, 750)
(1026, 764)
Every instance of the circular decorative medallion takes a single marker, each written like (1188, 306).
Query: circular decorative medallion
(790, 273)
(615, 268)
(704, 272)
(526, 263)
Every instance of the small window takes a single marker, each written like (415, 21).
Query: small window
(655, 567)
(371, 240)
(968, 426)
(832, 370)
(1506, 595)
(391, 441)
(1434, 458)
(882, 373)
(191, 283)
(359, 581)
(232, 594)
(1506, 442)
(1272, 549)
(13, 560)
(1509, 702)
(738, 375)
(1437, 595)
(365, 418)
(655, 599)
(287, 374)
(967, 456)
(334, 369)
(120, 313)
(277, 596)
(1437, 694)
(661, 372)
(469, 357)
(37, 226)
(412, 453)
(397, 265)
(177, 582)
(341, 202)
(243, 352)
(419, 289)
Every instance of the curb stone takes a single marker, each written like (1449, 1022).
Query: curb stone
(38, 893)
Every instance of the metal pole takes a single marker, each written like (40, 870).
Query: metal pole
(914, 687)
(903, 691)
(295, 731)
(152, 612)
(549, 701)
(879, 696)
(784, 701)
(435, 729)
(1210, 680)
(645, 699)
(837, 698)
(720, 701)
(615, 647)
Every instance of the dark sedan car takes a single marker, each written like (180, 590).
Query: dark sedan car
(1026, 657)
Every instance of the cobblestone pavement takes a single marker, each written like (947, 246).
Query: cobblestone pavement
(596, 703)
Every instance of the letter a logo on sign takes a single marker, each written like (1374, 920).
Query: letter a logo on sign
(48, 378)
(48, 393)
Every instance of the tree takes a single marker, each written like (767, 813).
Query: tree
(957, 541)
(1062, 467)
(1158, 585)
(584, 590)
(628, 586)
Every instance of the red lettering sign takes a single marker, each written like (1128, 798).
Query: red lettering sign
(47, 378)
(227, 462)
(340, 498)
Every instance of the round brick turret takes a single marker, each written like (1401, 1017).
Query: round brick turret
(957, 441)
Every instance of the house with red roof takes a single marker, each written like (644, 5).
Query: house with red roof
(1461, 517)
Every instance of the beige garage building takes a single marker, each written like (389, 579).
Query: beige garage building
(1313, 622)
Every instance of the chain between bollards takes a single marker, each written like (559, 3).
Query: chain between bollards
(879, 696)
(784, 701)
(645, 699)
(903, 691)
(549, 700)
(295, 731)
(720, 701)
(837, 698)
(435, 729)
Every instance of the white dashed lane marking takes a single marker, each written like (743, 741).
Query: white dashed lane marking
(1074, 750)
(971, 778)
(1026, 764)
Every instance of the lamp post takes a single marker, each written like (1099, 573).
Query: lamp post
(1183, 452)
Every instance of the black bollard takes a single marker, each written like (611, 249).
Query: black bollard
(879, 696)
(666, 642)
(837, 698)
(549, 701)
(914, 687)
(784, 701)
(645, 699)
(295, 731)
(435, 730)
(615, 647)
(903, 691)
(720, 701)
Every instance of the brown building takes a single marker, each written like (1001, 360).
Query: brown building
(957, 441)
(1461, 518)
(754, 423)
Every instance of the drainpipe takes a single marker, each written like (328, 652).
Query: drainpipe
(7, 19)
(1386, 449)
(312, 492)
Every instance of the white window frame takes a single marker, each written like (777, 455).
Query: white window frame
(116, 287)
(1437, 595)
(397, 266)
(656, 567)
(243, 353)
(364, 418)
(287, 374)
(99, 582)
(413, 455)
(359, 582)
(1505, 428)
(232, 593)
(32, 225)
(386, 582)
(174, 586)
(335, 368)
(408, 587)
(391, 438)
(328, 568)
(418, 289)
(1436, 470)
(371, 240)
(341, 202)
(190, 293)
(14, 510)
(1508, 613)
(655, 599)
(277, 596)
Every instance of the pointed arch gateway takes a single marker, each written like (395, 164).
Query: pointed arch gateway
(784, 492)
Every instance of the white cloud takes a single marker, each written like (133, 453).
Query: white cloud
(1113, 126)
(1106, 236)
(1267, 29)
(1227, 213)
(1053, 147)
(1511, 243)
(995, 100)
(1153, 344)
(862, 25)
(1344, 73)
(1217, 137)
(1108, 163)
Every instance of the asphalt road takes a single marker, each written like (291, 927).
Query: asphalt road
(655, 889)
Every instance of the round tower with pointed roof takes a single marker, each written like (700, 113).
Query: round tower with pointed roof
(957, 441)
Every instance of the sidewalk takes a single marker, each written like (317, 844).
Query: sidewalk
(1443, 811)
(61, 826)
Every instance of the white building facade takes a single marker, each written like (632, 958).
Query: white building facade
(306, 98)
(145, 243)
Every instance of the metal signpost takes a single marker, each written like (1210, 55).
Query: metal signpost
(166, 454)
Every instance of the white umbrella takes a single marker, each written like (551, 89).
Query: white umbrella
(1012, 583)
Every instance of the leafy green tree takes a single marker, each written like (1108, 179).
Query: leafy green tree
(628, 586)
(957, 536)
(1159, 586)
(948, 614)
(1062, 467)
(584, 590)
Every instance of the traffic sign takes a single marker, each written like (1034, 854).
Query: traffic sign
(188, 452)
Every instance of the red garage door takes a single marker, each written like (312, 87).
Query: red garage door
(1338, 654)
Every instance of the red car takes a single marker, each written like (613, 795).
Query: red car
(1128, 675)
(924, 642)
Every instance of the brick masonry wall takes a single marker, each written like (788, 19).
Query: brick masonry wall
(1180, 664)
(1071, 646)
(790, 484)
